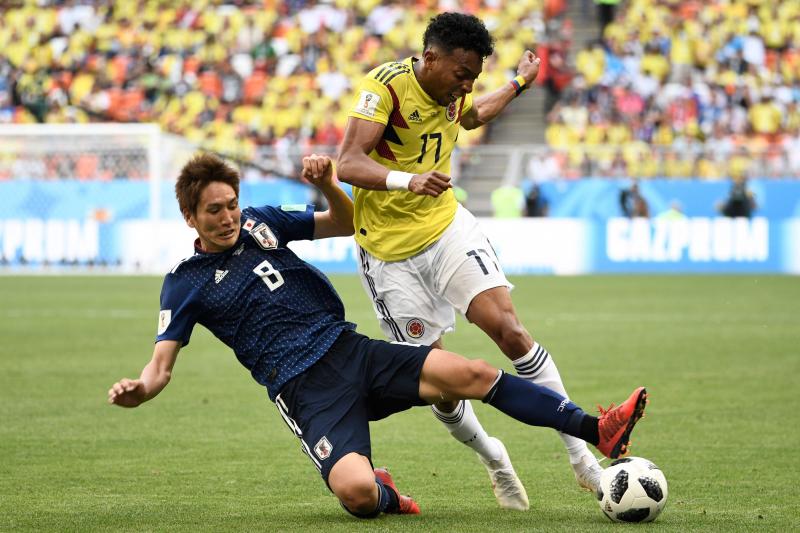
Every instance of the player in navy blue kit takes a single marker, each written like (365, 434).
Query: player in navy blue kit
(286, 324)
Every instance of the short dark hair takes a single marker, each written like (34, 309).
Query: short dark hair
(195, 176)
(457, 30)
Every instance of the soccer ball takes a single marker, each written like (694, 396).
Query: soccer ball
(632, 489)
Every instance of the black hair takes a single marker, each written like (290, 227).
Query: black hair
(457, 30)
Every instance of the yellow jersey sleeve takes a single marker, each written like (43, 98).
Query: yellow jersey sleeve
(373, 101)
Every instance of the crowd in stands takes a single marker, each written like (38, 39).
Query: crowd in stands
(232, 76)
(679, 88)
(674, 88)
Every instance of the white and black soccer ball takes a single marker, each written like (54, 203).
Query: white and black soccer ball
(632, 489)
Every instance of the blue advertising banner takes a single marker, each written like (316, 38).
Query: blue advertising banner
(689, 245)
(598, 199)
(63, 224)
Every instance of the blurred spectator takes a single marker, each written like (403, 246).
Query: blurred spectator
(591, 63)
(383, 18)
(461, 195)
(543, 167)
(741, 201)
(605, 13)
(536, 205)
(554, 73)
(632, 203)
(508, 201)
(674, 212)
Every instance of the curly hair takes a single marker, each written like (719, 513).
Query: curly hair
(195, 175)
(457, 30)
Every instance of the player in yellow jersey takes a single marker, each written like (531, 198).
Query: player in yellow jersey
(422, 255)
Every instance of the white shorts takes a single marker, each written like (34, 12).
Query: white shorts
(415, 299)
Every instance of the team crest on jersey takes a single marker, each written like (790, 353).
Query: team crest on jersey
(415, 328)
(264, 237)
(323, 448)
(367, 103)
(164, 318)
(451, 111)
(414, 117)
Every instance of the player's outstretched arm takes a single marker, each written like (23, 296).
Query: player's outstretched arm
(155, 376)
(355, 167)
(488, 106)
(338, 219)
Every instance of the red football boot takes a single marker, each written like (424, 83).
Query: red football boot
(616, 423)
(406, 504)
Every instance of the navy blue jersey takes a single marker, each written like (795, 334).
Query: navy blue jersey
(278, 313)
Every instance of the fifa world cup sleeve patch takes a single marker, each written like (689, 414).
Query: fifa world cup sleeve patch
(164, 318)
(367, 104)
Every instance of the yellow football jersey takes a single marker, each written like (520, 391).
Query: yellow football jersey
(419, 136)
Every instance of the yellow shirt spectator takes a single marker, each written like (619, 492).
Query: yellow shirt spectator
(681, 50)
(774, 33)
(618, 134)
(81, 87)
(765, 117)
(708, 169)
(591, 64)
(558, 135)
(663, 135)
(738, 165)
(654, 64)
(595, 134)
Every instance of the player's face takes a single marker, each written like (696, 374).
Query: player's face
(217, 217)
(454, 74)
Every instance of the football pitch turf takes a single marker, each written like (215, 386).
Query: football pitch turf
(719, 355)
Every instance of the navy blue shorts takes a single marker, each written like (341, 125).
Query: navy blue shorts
(330, 405)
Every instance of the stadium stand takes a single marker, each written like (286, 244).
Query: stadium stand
(674, 89)
(685, 89)
(231, 77)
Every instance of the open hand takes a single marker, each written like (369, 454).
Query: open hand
(126, 392)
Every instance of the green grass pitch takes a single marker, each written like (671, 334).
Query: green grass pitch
(719, 355)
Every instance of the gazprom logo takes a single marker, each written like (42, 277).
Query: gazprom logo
(694, 239)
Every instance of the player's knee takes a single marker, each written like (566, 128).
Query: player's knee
(359, 498)
(480, 373)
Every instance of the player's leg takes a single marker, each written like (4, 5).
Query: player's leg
(326, 408)
(409, 309)
(352, 481)
(449, 376)
(493, 311)
(460, 420)
(474, 283)
(365, 492)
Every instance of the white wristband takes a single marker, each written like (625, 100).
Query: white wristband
(398, 181)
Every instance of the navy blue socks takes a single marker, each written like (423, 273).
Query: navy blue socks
(539, 406)
(387, 498)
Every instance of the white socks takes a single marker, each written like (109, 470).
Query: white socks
(538, 367)
(464, 426)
